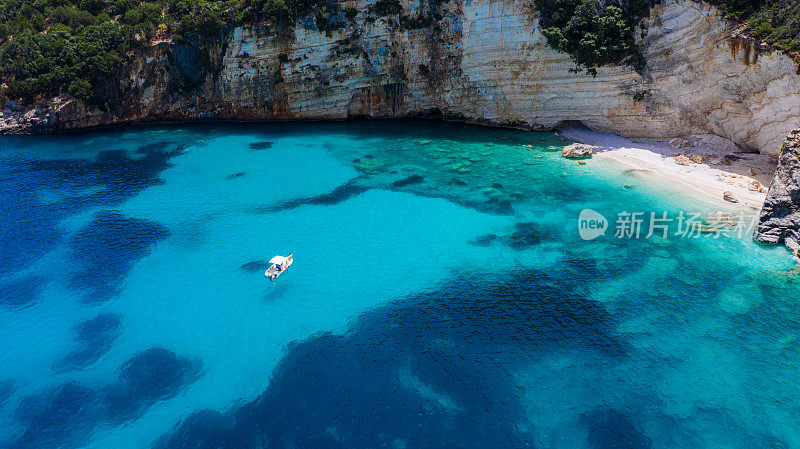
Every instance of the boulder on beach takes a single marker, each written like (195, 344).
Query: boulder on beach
(716, 143)
(578, 151)
(728, 196)
(679, 143)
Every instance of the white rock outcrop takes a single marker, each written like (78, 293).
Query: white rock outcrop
(577, 151)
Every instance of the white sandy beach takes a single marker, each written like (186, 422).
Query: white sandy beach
(706, 173)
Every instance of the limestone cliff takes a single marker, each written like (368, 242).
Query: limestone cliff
(780, 216)
(483, 61)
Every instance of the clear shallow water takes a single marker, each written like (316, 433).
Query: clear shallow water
(441, 297)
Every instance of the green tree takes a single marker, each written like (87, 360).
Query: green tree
(81, 88)
(594, 32)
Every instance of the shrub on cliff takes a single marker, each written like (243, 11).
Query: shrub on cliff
(598, 32)
(738, 9)
(287, 12)
(594, 32)
(207, 19)
(776, 22)
(277, 11)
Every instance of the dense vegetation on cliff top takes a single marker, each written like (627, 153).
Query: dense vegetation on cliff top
(598, 32)
(773, 21)
(594, 32)
(49, 47)
(79, 47)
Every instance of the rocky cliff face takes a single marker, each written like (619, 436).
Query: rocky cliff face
(485, 61)
(780, 216)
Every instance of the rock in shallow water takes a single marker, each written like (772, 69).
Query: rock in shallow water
(578, 151)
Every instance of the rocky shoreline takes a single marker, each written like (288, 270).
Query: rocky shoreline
(780, 216)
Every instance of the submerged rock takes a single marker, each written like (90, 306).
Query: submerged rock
(525, 235)
(611, 429)
(740, 298)
(6, 390)
(344, 192)
(484, 240)
(578, 151)
(94, 338)
(264, 145)
(370, 165)
(413, 179)
(21, 292)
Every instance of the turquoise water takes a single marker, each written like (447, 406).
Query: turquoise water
(441, 296)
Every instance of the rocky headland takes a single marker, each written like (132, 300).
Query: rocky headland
(780, 216)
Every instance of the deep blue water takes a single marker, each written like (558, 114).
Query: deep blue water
(441, 297)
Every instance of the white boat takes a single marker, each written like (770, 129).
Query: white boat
(279, 265)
